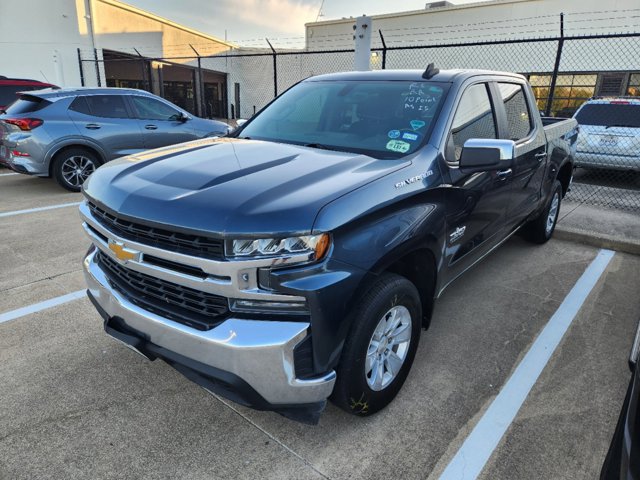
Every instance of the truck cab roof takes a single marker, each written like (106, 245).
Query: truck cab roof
(449, 76)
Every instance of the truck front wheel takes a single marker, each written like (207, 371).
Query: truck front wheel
(380, 348)
(540, 229)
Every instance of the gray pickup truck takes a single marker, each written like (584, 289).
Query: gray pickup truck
(299, 258)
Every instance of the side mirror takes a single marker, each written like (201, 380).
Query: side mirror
(183, 118)
(484, 154)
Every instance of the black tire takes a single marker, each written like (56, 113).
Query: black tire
(352, 391)
(539, 230)
(63, 162)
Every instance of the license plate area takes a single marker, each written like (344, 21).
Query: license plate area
(608, 141)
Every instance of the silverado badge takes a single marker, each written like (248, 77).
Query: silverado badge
(456, 234)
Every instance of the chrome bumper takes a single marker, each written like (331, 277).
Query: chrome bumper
(257, 351)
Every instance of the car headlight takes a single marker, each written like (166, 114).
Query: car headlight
(315, 245)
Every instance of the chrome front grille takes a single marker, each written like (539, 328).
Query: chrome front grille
(200, 310)
(198, 245)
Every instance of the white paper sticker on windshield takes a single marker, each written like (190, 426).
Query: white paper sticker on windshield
(398, 146)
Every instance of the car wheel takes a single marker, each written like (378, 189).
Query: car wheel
(72, 167)
(541, 228)
(380, 348)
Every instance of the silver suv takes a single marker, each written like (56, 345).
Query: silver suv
(609, 135)
(68, 133)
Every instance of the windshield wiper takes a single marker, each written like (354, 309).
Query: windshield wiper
(321, 146)
(622, 126)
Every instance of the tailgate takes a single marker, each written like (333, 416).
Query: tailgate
(619, 141)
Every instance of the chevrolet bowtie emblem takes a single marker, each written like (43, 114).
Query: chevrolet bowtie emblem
(123, 253)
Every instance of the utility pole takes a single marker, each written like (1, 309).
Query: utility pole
(362, 37)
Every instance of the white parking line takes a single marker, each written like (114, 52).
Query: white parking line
(37, 307)
(7, 174)
(39, 209)
(483, 440)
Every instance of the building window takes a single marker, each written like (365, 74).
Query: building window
(633, 89)
(571, 91)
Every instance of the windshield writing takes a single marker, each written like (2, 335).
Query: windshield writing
(382, 119)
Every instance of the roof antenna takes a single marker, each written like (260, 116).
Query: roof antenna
(430, 72)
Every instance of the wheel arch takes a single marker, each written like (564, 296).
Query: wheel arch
(70, 146)
(564, 176)
(420, 268)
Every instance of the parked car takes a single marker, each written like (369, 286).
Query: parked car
(623, 459)
(68, 133)
(11, 87)
(609, 134)
(300, 257)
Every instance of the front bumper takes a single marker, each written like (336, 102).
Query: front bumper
(248, 361)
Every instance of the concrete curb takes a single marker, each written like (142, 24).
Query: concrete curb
(597, 239)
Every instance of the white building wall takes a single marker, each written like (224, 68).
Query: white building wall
(483, 21)
(39, 39)
(46, 48)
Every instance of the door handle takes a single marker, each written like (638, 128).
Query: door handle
(92, 126)
(540, 156)
(151, 127)
(504, 174)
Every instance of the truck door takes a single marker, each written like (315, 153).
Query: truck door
(520, 125)
(477, 202)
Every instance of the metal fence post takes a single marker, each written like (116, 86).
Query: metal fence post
(201, 104)
(142, 70)
(81, 69)
(384, 50)
(275, 69)
(556, 67)
(95, 59)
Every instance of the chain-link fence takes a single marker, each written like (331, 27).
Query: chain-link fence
(597, 76)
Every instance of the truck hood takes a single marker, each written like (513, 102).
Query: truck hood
(225, 186)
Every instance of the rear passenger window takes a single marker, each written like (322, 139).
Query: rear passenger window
(473, 118)
(109, 106)
(515, 104)
(80, 105)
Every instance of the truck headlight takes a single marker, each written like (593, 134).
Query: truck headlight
(316, 245)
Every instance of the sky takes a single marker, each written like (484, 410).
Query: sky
(248, 22)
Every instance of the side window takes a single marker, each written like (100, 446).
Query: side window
(473, 119)
(152, 109)
(80, 105)
(515, 104)
(108, 106)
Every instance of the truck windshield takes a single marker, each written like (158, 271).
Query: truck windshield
(382, 119)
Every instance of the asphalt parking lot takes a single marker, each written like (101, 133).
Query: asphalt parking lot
(75, 404)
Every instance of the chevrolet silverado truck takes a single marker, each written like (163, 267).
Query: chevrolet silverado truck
(298, 258)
